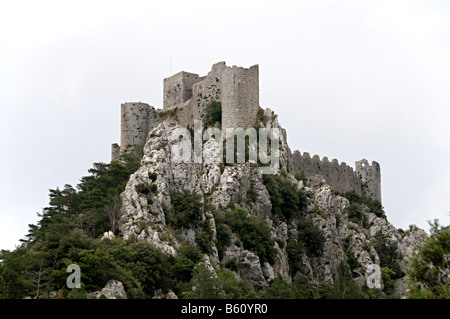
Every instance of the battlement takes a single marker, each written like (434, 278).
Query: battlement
(365, 179)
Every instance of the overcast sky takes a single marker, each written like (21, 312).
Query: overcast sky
(348, 79)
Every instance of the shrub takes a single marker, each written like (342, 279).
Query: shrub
(213, 112)
(254, 234)
(373, 205)
(301, 177)
(428, 267)
(287, 202)
(186, 209)
(355, 213)
(295, 250)
(223, 234)
(278, 289)
(311, 237)
(388, 253)
(153, 176)
(204, 240)
(261, 116)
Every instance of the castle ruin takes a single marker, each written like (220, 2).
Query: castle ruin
(187, 95)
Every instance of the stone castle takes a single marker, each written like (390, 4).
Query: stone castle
(187, 94)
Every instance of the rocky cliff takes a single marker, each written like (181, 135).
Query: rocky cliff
(324, 235)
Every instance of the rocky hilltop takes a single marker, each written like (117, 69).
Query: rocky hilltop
(313, 229)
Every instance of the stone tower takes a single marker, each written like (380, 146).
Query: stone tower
(370, 176)
(178, 89)
(240, 97)
(137, 119)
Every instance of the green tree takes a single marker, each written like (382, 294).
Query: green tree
(429, 268)
(186, 211)
(278, 289)
(311, 237)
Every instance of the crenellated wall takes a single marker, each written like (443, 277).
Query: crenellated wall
(340, 177)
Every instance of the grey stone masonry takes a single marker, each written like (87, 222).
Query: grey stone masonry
(240, 97)
(340, 177)
(178, 89)
(137, 120)
(365, 179)
(370, 176)
(235, 87)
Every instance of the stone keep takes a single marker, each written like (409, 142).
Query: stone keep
(240, 97)
(370, 178)
(235, 87)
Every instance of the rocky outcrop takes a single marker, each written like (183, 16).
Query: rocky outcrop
(113, 290)
(159, 294)
(220, 187)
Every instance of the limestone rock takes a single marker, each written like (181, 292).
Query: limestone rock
(108, 235)
(250, 269)
(113, 290)
(168, 295)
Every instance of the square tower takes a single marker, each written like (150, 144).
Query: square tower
(178, 88)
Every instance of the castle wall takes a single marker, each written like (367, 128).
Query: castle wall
(370, 176)
(207, 90)
(137, 120)
(240, 97)
(340, 177)
(177, 89)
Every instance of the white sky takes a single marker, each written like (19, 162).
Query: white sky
(349, 80)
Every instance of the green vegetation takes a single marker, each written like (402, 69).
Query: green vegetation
(287, 202)
(355, 213)
(213, 113)
(373, 205)
(70, 228)
(301, 177)
(352, 261)
(261, 116)
(187, 209)
(254, 234)
(224, 286)
(223, 234)
(388, 254)
(429, 266)
(311, 237)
